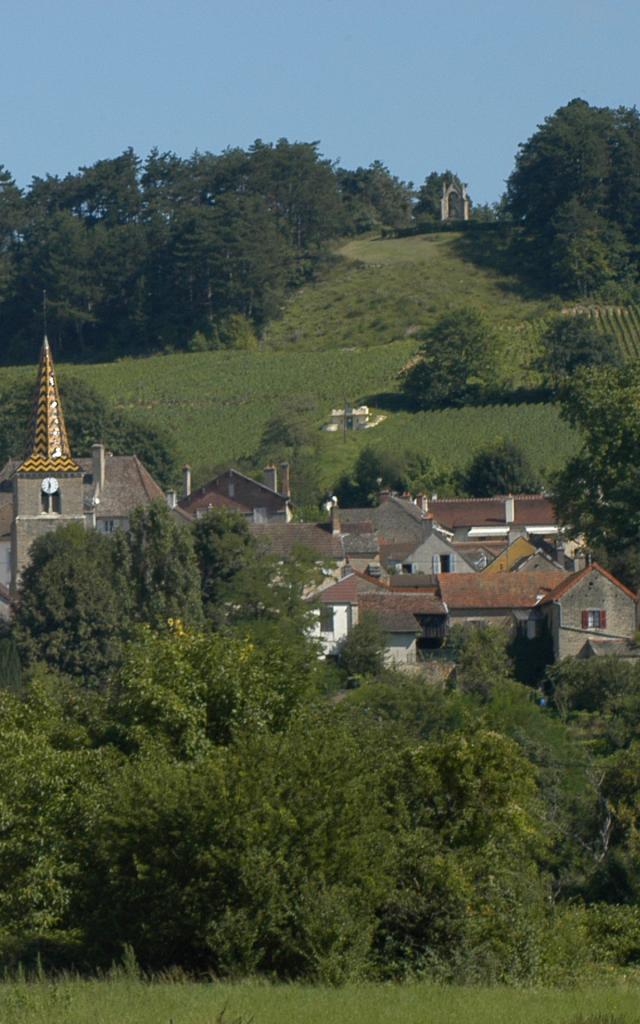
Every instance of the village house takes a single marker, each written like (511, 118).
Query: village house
(352, 418)
(401, 535)
(590, 610)
(259, 502)
(503, 517)
(410, 619)
(584, 613)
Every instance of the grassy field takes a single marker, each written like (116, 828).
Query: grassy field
(217, 404)
(128, 1001)
(382, 290)
(348, 337)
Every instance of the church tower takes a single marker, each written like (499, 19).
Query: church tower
(47, 486)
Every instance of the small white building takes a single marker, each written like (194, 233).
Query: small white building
(351, 418)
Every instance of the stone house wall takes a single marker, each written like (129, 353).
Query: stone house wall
(593, 592)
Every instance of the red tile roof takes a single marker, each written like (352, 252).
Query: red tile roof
(397, 612)
(503, 590)
(244, 492)
(348, 589)
(529, 510)
(214, 500)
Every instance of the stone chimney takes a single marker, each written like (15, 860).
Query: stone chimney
(559, 551)
(171, 498)
(509, 509)
(423, 503)
(270, 474)
(186, 480)
(335, 519)
(285, 486)
(97, 466)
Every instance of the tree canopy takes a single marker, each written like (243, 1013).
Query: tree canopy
(148, 254)
(572, 341)
(575, 190)
(598, 492)
(457, 363)
(502, 469)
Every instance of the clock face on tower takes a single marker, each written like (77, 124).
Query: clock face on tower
(50, 485)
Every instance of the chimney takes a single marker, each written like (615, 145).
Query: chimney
(559, 551)
(171, 498)
(384, 496)
(186, 480)
(509, 509)
(97, 465)
(270, 474)
(423, 503)
(335, 519)
(285, 487)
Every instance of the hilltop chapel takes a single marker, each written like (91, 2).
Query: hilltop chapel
(49, 488)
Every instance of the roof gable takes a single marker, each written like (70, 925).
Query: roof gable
(232, 485)
(568, 584)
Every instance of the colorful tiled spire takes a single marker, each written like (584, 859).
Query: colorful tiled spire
(49, 450)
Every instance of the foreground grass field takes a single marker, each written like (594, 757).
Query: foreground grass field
(135, 1002)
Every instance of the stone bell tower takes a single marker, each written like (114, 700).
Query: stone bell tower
(47, 486)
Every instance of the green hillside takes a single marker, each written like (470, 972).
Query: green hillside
(623, 322)
(346, 337)
(382, 290)
(217, 405)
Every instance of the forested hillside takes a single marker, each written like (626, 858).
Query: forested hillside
(143, 255)
(140, 255)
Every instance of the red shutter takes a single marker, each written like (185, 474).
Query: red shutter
(603, 619)
(585, 620)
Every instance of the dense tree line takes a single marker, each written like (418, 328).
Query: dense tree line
(142, 255)
(575, 193)
(179, 780)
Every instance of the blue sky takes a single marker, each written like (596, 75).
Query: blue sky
(419, 85)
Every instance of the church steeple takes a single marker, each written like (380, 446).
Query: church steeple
(49, 450)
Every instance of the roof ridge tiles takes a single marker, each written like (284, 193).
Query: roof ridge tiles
(568, 584)
(495, 497)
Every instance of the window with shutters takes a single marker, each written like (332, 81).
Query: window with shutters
(594, 618)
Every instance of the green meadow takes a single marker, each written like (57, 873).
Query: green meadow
(217, 404)
(129, 1001)
(347, 337)
(383, 289)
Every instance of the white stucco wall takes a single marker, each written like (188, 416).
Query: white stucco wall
(344, 617)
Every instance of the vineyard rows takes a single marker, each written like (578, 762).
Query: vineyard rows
(621, 321)
(217, 404)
